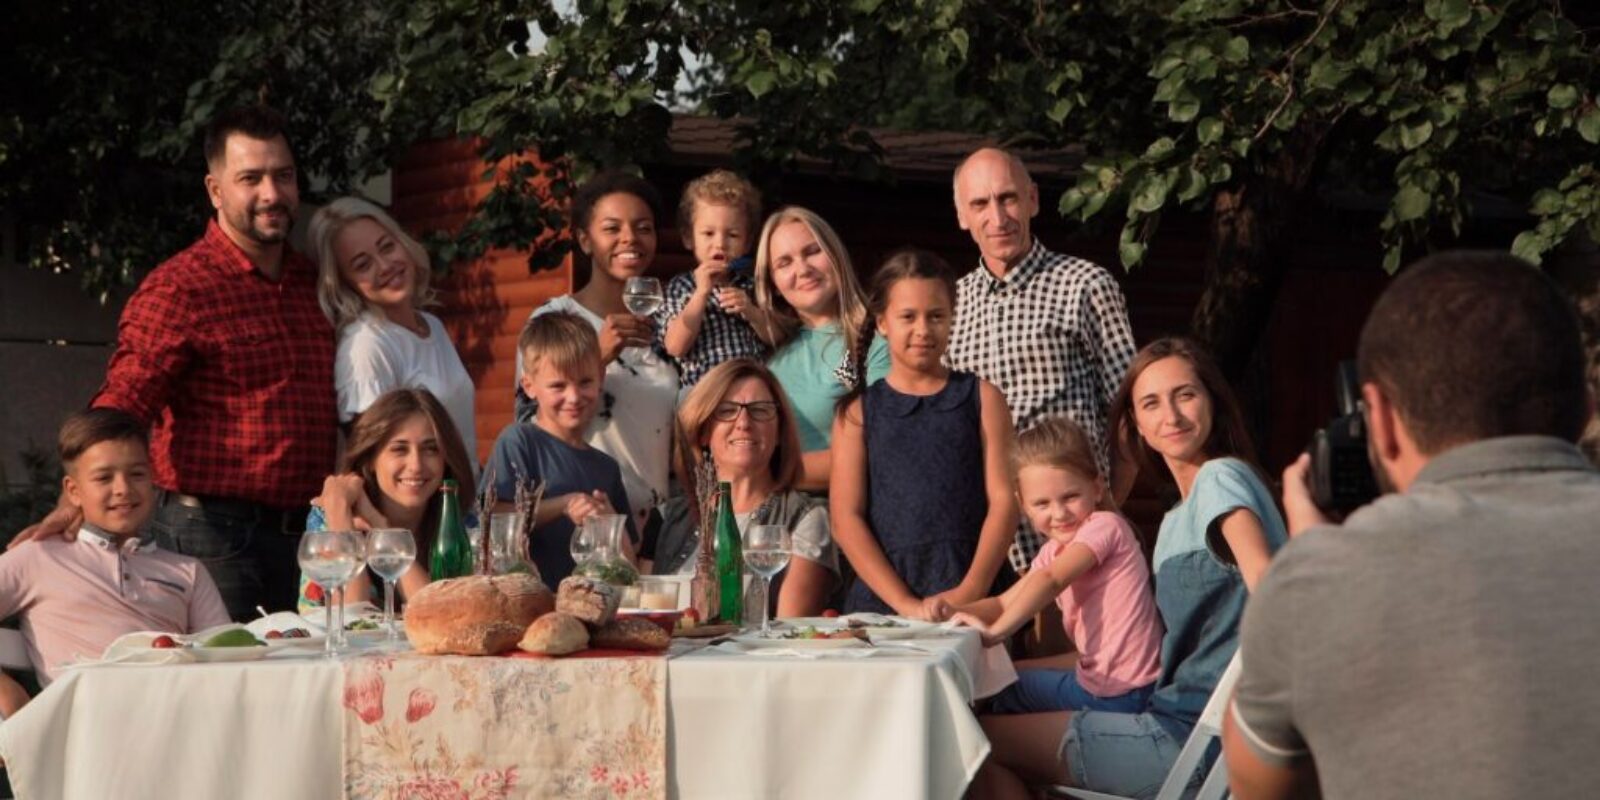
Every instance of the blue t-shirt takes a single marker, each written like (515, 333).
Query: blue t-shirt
(565, 469)
(805, 368)
(1200, 596)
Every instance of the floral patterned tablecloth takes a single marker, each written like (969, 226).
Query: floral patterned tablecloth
(458, 728)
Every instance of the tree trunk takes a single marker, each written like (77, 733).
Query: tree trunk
(1247, 255)
(1245, 265)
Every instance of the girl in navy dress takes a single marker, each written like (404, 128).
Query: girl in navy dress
(920, 493)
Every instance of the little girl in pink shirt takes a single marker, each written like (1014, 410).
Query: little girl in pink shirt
(1094, 570)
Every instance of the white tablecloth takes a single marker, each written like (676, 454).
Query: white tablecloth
(886, 726)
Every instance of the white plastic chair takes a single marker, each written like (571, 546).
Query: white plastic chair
(14, 650)
(1207, 729)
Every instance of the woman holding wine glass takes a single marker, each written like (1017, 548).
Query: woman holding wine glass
(614, 221)
(399, 452)
(736, 420)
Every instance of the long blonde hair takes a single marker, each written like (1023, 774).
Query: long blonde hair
(1060, 443)
(341, 303)
(784, 322)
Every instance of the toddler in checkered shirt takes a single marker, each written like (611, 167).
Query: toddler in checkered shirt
(708, 317)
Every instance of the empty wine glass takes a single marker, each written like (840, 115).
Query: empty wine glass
(766, 551)
(331, 559)
(390, 552)
(643, 297)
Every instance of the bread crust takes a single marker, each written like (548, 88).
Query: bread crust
(591, 601)
(475, 615)
(631, 633)
(555, 634)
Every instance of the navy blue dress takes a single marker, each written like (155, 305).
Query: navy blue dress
(926, 495)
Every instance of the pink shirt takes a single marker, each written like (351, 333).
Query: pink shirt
(1110, 611)
(77, 597)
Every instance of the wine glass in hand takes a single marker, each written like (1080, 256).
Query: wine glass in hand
(766, 551)
(643, 297)
(390, 552)
(331, 559)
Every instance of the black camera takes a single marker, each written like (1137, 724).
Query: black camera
(1341, 469)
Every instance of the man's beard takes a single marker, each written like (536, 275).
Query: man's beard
(247, 225)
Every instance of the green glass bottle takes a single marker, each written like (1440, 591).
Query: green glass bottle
(730, 561)
(452, 550)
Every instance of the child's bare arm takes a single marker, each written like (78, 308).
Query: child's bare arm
(1000, 524)
(847, 503)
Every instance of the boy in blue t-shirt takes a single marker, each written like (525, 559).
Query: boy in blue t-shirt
(562, 372)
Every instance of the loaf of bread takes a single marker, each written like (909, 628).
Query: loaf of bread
(555, 634)
(527, 598)
(591, 601)
(474, 616)
(631, 633)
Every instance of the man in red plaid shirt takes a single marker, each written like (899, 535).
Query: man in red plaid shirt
(225, 352)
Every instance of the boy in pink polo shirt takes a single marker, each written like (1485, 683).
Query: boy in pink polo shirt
(76, 597)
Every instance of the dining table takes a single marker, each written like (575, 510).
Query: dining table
(733, 718)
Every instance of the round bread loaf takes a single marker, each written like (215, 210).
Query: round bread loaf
(591, 601)
(631, 633)
(555, 634)
(476, 615)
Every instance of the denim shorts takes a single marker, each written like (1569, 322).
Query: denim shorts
(1123, 754)
(1043, 690)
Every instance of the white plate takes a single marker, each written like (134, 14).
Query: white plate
(757, 640)
(908, 629)
(212, 654)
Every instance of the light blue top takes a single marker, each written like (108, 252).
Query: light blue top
(805, 367)
(1199, 594)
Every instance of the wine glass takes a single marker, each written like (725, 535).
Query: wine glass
(766, 551)
(390, 552)
(331, 559)
(643, 297)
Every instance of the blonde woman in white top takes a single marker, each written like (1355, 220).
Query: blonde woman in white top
(372, 282)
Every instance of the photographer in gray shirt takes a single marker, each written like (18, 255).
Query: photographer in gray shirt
(1441, 641)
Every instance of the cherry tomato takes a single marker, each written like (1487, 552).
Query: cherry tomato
(831, 613)
(164, 642)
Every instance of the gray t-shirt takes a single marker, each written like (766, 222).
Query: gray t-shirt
(1442, 642)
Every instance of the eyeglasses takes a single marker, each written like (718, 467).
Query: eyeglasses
(760, 411)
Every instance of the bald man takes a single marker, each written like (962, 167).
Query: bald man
(1051, 331)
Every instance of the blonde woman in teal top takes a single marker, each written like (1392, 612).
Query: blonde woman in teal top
(815, 310)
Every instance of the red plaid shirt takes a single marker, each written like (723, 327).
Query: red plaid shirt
(234, 372)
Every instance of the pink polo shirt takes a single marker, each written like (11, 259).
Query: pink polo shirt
(1110, 611)
(77, 597)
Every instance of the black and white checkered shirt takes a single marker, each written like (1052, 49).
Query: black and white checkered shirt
(1053, 337)
(722, 336)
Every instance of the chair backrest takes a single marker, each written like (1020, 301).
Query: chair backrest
(14, 650)
(1207, 729)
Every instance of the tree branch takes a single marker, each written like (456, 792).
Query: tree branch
(1288, 71)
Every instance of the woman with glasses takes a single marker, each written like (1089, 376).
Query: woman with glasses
(736, 417)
